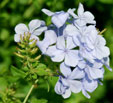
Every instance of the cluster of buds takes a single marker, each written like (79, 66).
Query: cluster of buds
(27, 51)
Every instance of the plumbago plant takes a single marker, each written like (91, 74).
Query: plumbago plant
(72, 40)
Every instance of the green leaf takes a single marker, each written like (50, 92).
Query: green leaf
(34, 100)
(16, 72)
(3, 84)
(43, 66)
(41, 70)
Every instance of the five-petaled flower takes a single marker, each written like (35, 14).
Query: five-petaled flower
(35, 28)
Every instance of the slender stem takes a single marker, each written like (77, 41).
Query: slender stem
(28, 94)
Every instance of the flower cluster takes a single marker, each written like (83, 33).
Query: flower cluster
(73, 40)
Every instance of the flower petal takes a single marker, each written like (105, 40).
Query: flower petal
(59, 19)
(90, 85)
(43, 45)
(17, 37)
(21, 28)
(85, 94)
(58, 56)
(89, 17)
(57, 88)
(95, 73)
(65, 70)
(75, 86)
(77, 74)
(51, 51)
(101, 52)
(60, 42)
(47, 12)
(71, 12)
(34, 24)
(80, 9)
(67, 93)
(39, 31)
(71, 30)
(50, 36)
(72, 58)
(70, 43)
(82, 64)
(49, 39)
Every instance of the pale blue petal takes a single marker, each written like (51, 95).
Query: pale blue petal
(34, 24)
(89, 17)
(82, 64)
(60, 19)
(80, 22)
(67, 93)
(43, 45)
(70, 43)
(101, 40)
(71, 12)
(65, 70)
(80, 9)
(85, 94)
(50, 36)
(72, 58)
(76, 40)
(17, 37)
(101, 52)
(95, 73)
(71, 30)
(39, 31)
(77, 74)
(47, 12)
(90, 85)
(21, 28)
(75, 86)
(60, 43)
(57, 88)
(58, 56)
(49, 39)
(51, 51)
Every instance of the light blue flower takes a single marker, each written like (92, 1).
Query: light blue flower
(82, 18)
(97, 48)
(35, 27)
(69, 81)
(58, 18)
(100, 50)
(88, 86)
(82, 35)
(93, 70)
(63, 50)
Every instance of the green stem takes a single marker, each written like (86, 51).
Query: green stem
(28, 94)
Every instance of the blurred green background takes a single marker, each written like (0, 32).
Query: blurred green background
(13, 12)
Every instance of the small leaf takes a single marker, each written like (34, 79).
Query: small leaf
(43, 66)
(3, 84)
(17, 72)
(41, 72)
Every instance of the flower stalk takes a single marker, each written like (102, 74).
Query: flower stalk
(30, 90)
